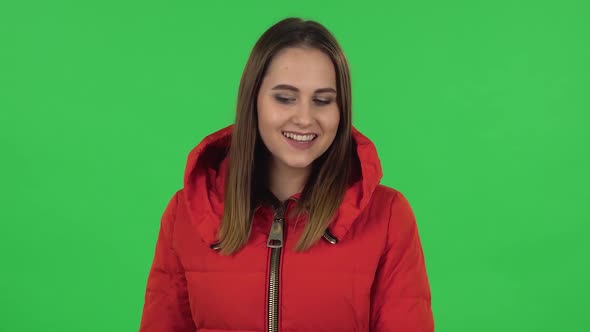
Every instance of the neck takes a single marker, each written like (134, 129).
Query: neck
(285, 181)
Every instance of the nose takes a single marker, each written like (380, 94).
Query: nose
(303, 116)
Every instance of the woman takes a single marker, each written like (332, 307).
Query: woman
(282, 224)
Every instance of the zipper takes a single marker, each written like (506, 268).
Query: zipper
(275, 244)
(328, 236)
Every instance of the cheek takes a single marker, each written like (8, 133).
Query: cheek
(330, 121)
(264, 114)
(269, 119)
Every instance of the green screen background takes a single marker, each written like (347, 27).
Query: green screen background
(479, 111)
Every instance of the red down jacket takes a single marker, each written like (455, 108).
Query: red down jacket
(367, 275)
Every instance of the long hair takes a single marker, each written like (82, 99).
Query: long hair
(324, 189)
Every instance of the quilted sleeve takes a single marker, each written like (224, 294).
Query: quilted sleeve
(400, 297)
(166, 307)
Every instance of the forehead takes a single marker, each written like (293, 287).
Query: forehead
(304, 68)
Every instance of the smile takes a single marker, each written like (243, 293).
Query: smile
(300, 138)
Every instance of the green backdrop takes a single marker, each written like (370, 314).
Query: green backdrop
(479, 110)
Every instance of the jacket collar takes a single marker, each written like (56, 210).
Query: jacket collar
(207, 166)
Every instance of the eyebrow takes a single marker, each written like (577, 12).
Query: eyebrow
(292, 88)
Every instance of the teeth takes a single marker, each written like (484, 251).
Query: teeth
(299, 138)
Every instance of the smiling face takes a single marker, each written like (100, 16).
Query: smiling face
(298, 114)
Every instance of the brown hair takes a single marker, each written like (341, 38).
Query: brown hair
(324, 190)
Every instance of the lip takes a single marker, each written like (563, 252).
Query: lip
(297, 145)
(298, 133)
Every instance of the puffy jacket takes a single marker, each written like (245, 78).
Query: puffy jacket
(366, 274)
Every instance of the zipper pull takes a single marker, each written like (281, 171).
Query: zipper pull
(275, 237)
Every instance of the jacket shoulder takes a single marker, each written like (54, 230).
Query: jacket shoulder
(396, 203)
(385, 193)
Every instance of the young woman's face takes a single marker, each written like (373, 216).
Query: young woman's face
(298, 114)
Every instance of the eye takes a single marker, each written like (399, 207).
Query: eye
(283, 99)
(322, 102)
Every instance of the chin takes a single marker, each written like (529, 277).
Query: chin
(298, 163)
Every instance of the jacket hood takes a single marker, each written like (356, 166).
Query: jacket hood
(207, 166)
